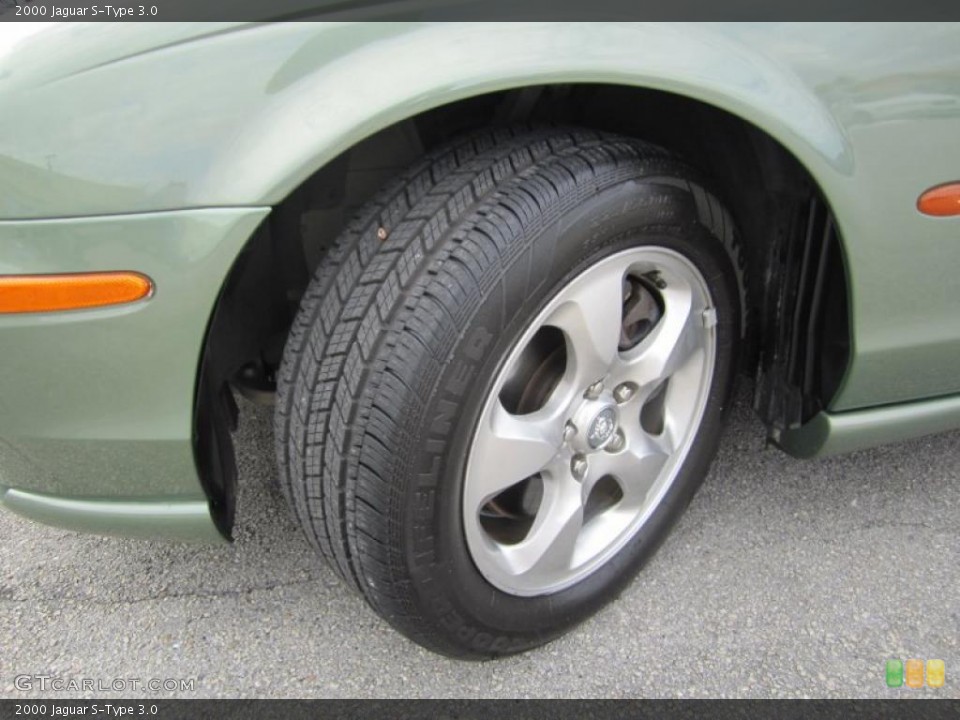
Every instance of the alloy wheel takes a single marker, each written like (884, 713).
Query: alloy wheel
(589, 420)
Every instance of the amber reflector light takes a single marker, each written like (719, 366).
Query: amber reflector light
(941, 201)
(49, 293)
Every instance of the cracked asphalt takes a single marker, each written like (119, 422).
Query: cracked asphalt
(784, 579)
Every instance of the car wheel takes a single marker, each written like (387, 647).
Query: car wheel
(507, 379)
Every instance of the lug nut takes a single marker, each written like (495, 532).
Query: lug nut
(569, 430)
(623, 392)
(593, 392)
(617, 442)
(578, 466)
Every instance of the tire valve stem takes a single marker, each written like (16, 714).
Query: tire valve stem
(382, 233)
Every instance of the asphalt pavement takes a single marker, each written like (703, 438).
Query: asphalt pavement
(785, 578)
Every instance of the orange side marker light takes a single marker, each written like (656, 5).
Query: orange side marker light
(940, 201)
(75, 291)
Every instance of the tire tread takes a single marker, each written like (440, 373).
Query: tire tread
(346, 371)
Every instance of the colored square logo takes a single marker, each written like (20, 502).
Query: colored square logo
(894, 673)
(914, 673)
(936, 673)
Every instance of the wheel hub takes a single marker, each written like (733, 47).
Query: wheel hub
(595, 423)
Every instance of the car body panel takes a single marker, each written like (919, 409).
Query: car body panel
(99, 403)
(181, 520)
(290, 97)
(835, 433)
(159, 148)
(176, 117)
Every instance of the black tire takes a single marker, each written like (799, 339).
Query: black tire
(407, 320)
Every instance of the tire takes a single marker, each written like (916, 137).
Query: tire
(441, 307)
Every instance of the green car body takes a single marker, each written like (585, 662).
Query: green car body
(162, 148)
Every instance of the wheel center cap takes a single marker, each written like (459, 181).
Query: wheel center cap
(597, 421)
(602, 427)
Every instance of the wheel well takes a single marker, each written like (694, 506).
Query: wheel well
(797, 339)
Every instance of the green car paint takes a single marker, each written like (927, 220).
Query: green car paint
(833, 433)
(159, 148)
(182, 520)
(97, 405)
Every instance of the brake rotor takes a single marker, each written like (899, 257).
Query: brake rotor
(642, 309)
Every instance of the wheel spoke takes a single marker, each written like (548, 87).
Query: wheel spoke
(680, 402)
(550, 544)
(636, 468)
(590, 316)
(675, 338)
(640, 478)
(509, 448)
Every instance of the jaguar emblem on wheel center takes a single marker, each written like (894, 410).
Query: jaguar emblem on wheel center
(602, 427)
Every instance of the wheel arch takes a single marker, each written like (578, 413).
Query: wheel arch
(753, 167)
(314, 111)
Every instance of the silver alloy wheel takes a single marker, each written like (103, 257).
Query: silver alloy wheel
(581, 471)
